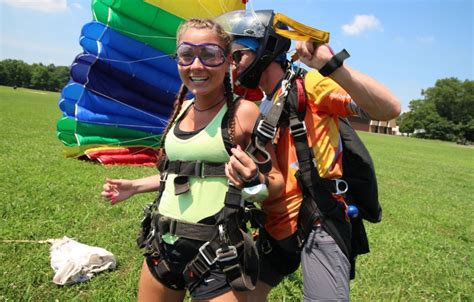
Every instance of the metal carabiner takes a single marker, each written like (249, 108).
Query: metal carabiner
(341, 186)
(221, 232)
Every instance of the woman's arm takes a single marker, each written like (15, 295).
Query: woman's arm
(116, 190)
(240, 166)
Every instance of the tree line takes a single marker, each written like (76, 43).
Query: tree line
(17, 73)
(445, 112)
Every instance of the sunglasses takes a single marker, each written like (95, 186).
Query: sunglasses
(210, 55)
(237, 55)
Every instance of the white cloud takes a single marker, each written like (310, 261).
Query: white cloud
(47, 6)
(362, 23)
(77, 5)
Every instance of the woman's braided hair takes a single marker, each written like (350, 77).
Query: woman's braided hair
(226, 41)
(229, 95)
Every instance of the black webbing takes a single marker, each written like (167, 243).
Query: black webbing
(189, 230)
(196, 168)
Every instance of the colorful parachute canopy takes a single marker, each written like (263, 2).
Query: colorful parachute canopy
(123, 85)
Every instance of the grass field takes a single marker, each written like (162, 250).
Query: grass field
(422, 250)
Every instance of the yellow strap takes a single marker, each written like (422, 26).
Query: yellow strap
(300, 31)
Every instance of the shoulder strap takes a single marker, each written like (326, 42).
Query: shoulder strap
(318, 201)
(266, 126)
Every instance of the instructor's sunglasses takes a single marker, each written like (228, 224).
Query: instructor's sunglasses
(237, 55)
(210, 55)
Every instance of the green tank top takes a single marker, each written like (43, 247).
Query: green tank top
(206, 195)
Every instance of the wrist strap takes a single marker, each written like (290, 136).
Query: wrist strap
(255, 180)
(335, 62)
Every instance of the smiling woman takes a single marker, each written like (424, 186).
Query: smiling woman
(123, 86)
(194, 236)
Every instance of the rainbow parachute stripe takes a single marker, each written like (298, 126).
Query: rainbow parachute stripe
(123, 85)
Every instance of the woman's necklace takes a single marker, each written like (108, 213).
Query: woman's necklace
(209, 108)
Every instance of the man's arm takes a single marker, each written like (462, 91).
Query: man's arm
(373, 97)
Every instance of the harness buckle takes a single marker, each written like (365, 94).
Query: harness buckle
(266, 247)
(172, 227)
(341, 186)
(266, 129)
(202, 250)
(226, 254)
(298, 129)
(198, 169)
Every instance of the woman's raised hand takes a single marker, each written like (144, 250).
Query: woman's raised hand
(240, 167)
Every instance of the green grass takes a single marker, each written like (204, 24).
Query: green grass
(422, 250)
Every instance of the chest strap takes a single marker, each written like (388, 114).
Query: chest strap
(185, 169)
(195, 168)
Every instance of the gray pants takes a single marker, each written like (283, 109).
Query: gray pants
(325, 268)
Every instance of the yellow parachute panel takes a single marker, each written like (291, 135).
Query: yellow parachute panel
(187, 9)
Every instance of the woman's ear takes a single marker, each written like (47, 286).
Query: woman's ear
(229, 59)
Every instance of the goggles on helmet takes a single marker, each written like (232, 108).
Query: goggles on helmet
(210, 55)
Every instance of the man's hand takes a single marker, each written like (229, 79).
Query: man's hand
(314, 55)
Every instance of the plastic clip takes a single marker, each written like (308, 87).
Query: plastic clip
(266, 130)
(298, 129)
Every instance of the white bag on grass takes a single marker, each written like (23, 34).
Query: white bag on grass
(75, 262)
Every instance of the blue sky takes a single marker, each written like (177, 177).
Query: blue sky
(405, 44)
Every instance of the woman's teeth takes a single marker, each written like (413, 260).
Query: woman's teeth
(198, 79)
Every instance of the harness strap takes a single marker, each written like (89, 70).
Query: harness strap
(196, 168)
(189, 230)
(225, 244)
(266, 127)
(255, 215)
(318, 201)
(244, 277)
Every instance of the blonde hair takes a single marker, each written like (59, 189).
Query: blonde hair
(225, 38)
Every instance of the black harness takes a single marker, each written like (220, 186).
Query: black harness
(288, 111)
(224, 244)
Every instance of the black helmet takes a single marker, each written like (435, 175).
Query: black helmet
(259, 25)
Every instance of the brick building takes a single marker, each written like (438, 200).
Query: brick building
(385, 127)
